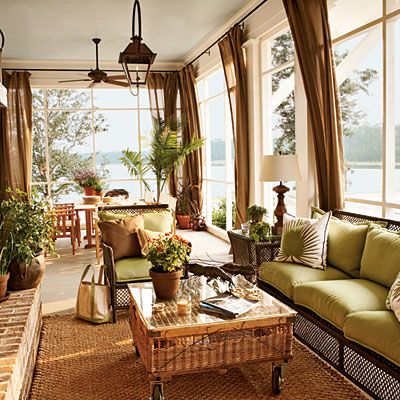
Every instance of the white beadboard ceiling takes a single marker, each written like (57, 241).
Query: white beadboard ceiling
(62, 30)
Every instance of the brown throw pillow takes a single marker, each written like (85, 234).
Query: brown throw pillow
(145, 238)
(122, 237)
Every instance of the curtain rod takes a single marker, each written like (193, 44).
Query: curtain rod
(76, 70)
(207, 50)
(117, 70)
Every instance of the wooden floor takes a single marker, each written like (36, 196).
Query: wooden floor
(63, 273)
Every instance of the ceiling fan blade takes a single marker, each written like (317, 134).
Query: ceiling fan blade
(117, 77)
(112, 82)
(75, 80)
(91, 84)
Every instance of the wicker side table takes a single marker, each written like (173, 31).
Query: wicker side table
(247, 251)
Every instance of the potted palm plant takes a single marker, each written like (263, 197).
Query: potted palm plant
(167, 152)
(167, 254)
(30, 236)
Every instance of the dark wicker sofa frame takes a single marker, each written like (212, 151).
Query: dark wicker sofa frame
(119, 291)
(373, 373)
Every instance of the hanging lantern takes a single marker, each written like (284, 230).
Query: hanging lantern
(137, 58)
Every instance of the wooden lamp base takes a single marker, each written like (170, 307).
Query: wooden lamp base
(280, 208)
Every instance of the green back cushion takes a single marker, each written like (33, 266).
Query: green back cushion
(380, 261)
(345, 246)
(159, 221)
(111, 216)
(162, 221)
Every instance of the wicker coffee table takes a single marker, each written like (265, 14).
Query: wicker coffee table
(170, 345)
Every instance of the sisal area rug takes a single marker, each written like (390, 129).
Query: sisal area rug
(78, 360)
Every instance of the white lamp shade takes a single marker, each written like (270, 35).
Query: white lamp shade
(279, 168)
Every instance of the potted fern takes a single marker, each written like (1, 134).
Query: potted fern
(168, 151)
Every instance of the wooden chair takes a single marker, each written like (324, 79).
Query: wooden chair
(71, 207)
(64, 223)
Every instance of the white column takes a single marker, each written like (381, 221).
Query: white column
(253, 67)
(305, 189)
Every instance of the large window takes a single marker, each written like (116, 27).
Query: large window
(279, 113)
(74, 128)
(219, 160)
(366, 49)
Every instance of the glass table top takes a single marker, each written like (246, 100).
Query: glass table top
(143, 296)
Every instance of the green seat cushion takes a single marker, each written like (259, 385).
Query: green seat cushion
(334, 300)
(285, 276)
(345, 246)
(377, 330)
(159, 221)
(380, 261)
(129, 269)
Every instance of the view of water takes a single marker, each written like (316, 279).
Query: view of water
(359, 181)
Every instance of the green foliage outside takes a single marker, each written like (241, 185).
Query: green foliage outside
(67, 130)
(219, 214)
(352, 114)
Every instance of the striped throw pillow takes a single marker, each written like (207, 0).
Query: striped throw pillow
(393, 299)
(304, 241)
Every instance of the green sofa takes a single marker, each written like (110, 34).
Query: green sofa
(157, 218)
(342, 309)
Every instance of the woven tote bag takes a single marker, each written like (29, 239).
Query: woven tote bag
(93, 300)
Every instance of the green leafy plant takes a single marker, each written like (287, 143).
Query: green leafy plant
(219, 214)
(183, 200)
(168, 151)
(26, 229)
(169, 253)
(260, 231)
(256, 213)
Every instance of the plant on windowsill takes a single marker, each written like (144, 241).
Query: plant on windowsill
(167, 254)
(26, 231)
(167, 153)
(183, 207)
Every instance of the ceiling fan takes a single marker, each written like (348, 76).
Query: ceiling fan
(97, 75)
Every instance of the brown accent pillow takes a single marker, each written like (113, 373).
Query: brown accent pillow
(121, 235)
(145, 238)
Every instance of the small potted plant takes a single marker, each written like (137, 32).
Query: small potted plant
(88, 179)
(256, 213)
(167, 254)
(30, 237)
(99, 188)
(183, 208)
(260, 231)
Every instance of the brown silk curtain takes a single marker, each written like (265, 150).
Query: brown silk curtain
(192, 169)
(163, 93)
(235, 75)
(16, 134)
(310, 29)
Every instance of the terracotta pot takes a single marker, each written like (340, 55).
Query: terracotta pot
(23, 276)
(89, 191)
(183, 221)
(3, 285)
(166, 284)
(101, 194)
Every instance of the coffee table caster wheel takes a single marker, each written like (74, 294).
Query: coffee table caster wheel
(277, 380)
(157, 392)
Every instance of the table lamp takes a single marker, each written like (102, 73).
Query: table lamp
(278, 168)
